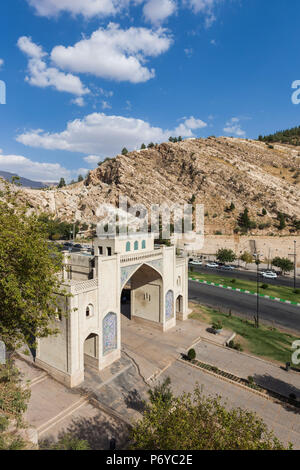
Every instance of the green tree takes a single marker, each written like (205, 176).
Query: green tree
(143, 146)
(124, 151)
(67, 442)
(245, 222)
(225, 256)
(196, 422)
(281, 219)
(29, 265)
(14, 399)
(151, 145)
(264, 212)
(80, 178)
(61, 183)
(247, 258)
(285, 264)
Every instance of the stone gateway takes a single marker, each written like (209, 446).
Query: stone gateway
(126, 276)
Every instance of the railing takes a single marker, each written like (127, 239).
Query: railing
(81, 286)
(142, 256)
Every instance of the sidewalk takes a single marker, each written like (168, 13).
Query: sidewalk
(265, 373)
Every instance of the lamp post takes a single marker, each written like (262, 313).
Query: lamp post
(257, 262)
(295, 263)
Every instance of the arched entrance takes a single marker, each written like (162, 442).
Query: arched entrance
(91, 351)
(141, 296)
(179, 305)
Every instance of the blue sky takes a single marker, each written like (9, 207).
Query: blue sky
(85, 78)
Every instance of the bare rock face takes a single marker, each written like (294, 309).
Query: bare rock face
(213, 171)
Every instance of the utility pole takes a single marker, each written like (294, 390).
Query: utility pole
(257, 261)
(295, 263)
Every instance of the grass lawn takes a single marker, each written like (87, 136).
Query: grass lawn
(284, 293)
(266, 342)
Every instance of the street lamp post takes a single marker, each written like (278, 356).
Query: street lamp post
(257, 261)
(295, 263)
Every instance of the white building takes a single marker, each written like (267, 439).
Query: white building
(127, 276)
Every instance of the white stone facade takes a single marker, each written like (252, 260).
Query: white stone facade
(156, 286)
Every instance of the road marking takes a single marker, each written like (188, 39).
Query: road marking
(277, 299)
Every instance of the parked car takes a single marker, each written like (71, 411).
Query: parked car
(227, 268)
(212, 265)
(196, 262)
(269, 275)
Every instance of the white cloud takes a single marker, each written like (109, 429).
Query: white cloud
(114, 53)
(107, 94)
(39, 74)
(233, 127)
(92, 159)
(203, 6)
(87, 8)
(78, 101)
(105, 105)
(188, 52)
(36, 171)
(103, 135)
(157, 11)
(186, 128)
(1, 63)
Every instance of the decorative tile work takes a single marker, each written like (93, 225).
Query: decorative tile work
(157, 264)
(169, 305)
(110, 333)
(127, 272)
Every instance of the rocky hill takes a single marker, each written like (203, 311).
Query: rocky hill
(215, 172)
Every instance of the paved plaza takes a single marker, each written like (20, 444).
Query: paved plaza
(108, 401)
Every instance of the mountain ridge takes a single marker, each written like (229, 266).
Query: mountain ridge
(214, 171)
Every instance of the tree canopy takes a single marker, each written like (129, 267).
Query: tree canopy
(285, 264)
(247, 258)
(13, 403)
(197, 422)
(61, 183)
(225, 256)
(288, 136)
(29, 265)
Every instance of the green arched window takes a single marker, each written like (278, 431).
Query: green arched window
(128, 246)
(136, 246)
(143, 244)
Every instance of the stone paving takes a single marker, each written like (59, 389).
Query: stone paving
(264, 373)
(119, 391)
(283, 420)
(54, 409)
(154, 350)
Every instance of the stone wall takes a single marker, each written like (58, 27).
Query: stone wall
(267, 247)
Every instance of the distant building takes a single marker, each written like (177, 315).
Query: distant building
(127, 276)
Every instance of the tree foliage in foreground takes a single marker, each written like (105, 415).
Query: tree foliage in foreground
(196, 422)
(13, 403)
(66, 442)
(28, 276)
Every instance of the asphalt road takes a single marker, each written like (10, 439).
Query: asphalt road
(275, 313)
(246, 275)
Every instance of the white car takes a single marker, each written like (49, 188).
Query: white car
(212, 265)
(196, 262)
(269, 275)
